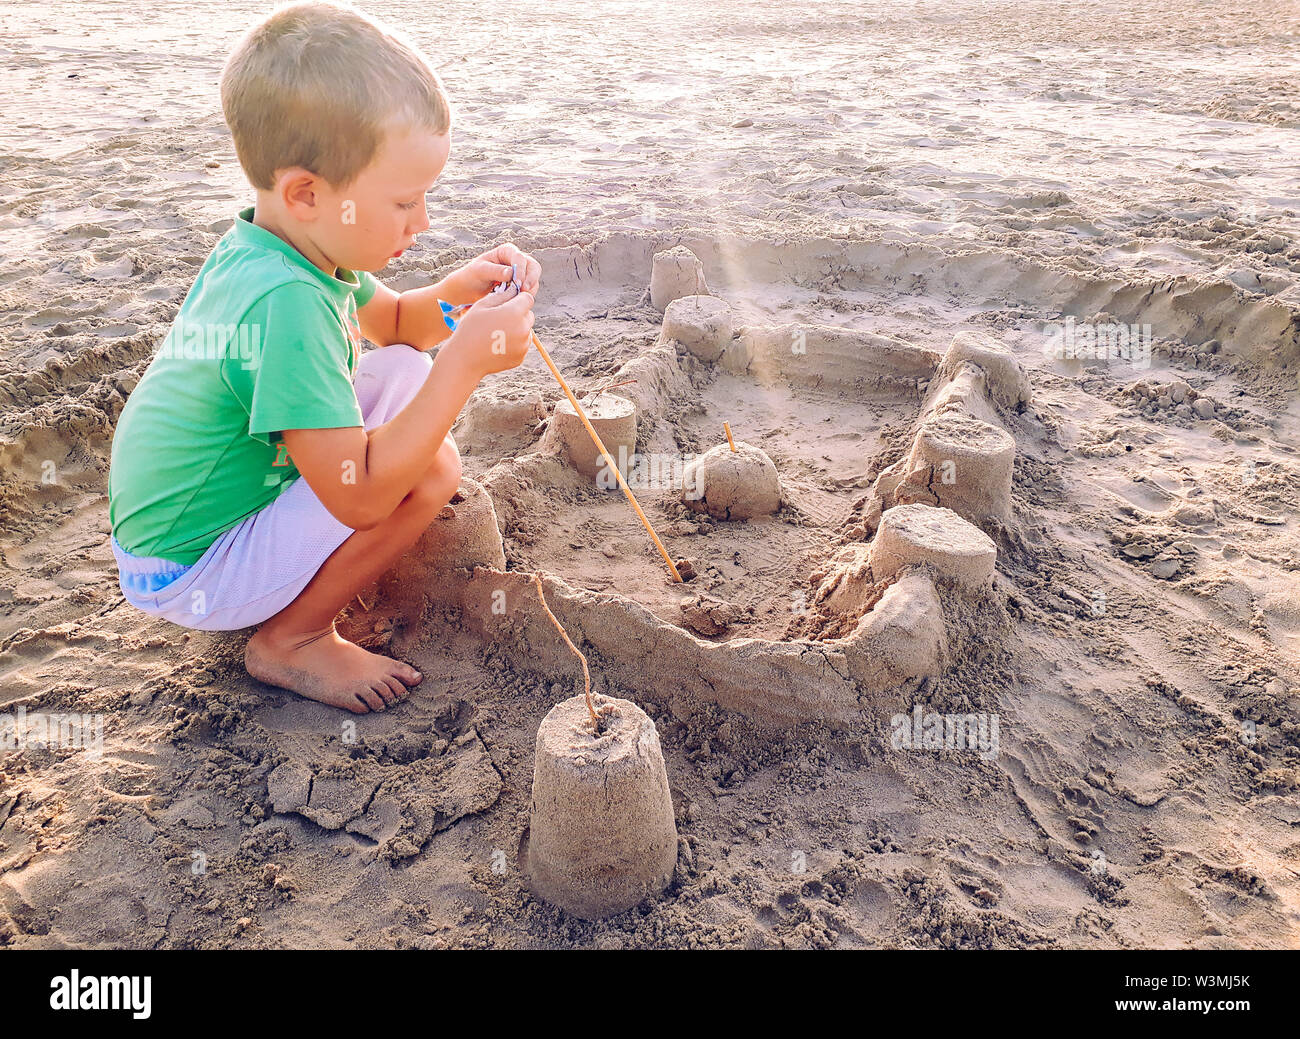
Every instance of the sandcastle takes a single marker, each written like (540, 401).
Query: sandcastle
(464, 535)
(614, 420)
(732, 482)
(602, 836)
(871, 622)
(961, 457)
(675, 273)
(702, 324)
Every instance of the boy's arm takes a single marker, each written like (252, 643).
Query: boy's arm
(412, 317)
(362, 477)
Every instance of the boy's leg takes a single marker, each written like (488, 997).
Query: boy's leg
(298, 648)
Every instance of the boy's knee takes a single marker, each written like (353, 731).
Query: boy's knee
(398, 364)
(442, 479)
(448, 459)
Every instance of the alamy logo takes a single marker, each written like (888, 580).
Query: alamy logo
(95, 993)
(932, 731)
(652, 471)
(1108, 342)
(20, 730)
(210, 341)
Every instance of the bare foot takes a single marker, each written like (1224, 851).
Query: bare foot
(325, 666)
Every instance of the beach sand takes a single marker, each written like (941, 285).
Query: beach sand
(910, 173)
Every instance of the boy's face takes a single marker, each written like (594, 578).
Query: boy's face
(378, 215)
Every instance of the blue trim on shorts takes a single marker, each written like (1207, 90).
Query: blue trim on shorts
(145, 575)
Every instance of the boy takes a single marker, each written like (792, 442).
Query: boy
(252, 479)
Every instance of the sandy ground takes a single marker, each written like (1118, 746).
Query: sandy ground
(911, 172)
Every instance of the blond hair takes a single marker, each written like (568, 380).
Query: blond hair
(316, 85)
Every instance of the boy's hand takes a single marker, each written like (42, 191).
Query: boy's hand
(494, 334)
(527, 270)
(479, 275)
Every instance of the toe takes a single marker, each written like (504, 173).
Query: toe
(356, 705)
(406, 673)
(390, 689)
(371, 698)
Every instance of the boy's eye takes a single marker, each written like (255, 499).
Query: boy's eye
(409, 205)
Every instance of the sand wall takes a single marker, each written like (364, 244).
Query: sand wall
(1196, 309)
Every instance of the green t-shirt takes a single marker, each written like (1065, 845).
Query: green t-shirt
(265, 341)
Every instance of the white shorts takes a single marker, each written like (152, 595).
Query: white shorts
(259, 566)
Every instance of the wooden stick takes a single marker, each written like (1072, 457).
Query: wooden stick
(611, 386)
(608, 460)
(586, 675)
(727, 427)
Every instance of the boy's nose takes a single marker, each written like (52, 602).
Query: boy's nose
(422, 223)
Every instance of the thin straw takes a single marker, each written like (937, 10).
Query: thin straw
(608, 460)
(586, 675)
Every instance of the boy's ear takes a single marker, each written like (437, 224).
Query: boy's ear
(298, 189)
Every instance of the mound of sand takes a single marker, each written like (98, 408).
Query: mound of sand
(732, 483)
